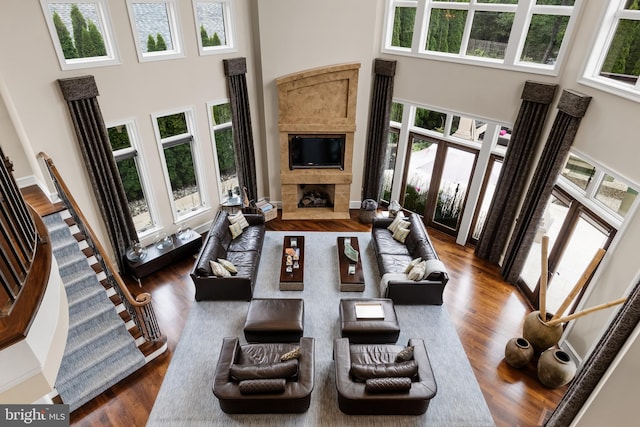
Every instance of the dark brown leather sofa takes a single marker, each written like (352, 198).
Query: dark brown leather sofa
(261, 363)
(353, 396)
(394, 256)
(243, 251)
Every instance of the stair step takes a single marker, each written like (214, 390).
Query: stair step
(95, 332)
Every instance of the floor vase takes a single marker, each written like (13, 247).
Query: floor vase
(518, 352)
(540, 335)
(555, 368)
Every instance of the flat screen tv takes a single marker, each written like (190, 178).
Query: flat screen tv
(316, 151)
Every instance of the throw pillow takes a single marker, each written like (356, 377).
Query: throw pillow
(412, 264)
(273, 385)
(239, 219)
(236, 230)
(387, 385)
(228, 265)
(218, 270)
(401, 234)
(396, 221)
(287, 369)
(405, 354)
(417, 272)
(363, 371)
(291, 355)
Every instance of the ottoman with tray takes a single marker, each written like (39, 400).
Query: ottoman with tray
(369, 320)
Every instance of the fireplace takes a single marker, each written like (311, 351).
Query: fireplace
(317, 110)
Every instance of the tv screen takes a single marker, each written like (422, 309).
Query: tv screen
(313, 151)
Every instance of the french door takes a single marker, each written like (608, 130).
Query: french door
(435, 181)
(575, 235)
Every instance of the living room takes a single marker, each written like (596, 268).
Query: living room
(278, 39)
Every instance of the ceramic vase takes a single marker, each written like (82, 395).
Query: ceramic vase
(518, 352)
(540, 335)
(555, 368)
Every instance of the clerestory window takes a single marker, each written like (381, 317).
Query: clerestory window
(214, 26)
(156, 29)
(81, 33)
(527, 34)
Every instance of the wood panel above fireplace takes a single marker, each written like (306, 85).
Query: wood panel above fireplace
(317, 102)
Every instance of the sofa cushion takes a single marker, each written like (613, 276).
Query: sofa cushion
(387, 245)
(249, 240)
(261, 386)
(288, 369)
(393, 263)
(363, 371)
(426, 251)
(387, 385)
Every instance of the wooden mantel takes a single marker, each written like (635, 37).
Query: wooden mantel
(319, 101)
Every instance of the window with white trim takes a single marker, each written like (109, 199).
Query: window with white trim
(214, 26)
(614, 64)
(529, 34)
(124, 145)
(225, 155)
(180, 161)
(156, 29)
(81, 33)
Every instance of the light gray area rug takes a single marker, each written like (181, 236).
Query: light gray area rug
(99, 351)
(186, 398)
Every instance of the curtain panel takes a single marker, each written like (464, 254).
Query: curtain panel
(236, 69)
(597, 363)
(378, 129)
(81, 96)
(572, 106)
(516, 169)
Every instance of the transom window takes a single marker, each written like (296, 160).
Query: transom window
(504, 33)
(214, 26)
(81, 33)
(155, 29)
(614, 64)
(179, 153)
(222, 137)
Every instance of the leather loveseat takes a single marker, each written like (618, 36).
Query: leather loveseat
(394, 256)
(252, 379)
(358, 365)
(243, 252)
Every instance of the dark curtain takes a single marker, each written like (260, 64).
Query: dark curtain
(236, 70)
(81, 96)
(516, 168)
(378, 131)
(596, 365)
(572, 106)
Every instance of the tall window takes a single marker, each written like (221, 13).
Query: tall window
(214, 26)
(155, 29)
(614, 64)
(81, 33)
(222, 136)
(180, 162)
(524, 34)
(130, 166)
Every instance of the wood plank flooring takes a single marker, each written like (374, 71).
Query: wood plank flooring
(486, 311)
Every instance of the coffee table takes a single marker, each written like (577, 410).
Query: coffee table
(350, 281)
(292, 264)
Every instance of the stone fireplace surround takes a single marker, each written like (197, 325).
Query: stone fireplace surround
(319, 101)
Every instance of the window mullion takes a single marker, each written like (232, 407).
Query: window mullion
(519, 28)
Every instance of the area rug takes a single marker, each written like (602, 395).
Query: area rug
(186, 398)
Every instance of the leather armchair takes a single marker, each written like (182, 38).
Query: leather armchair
(353, 396)
(292, 397)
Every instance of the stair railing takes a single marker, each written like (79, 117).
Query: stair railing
(139, 308)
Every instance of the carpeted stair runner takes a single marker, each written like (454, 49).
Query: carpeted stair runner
(100, 351)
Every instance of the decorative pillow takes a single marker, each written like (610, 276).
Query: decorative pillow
(286, 369)
(401, 234)
(405, 355)
(291, 355)
(412, 264)
(363, 371)
(433, 269)
(417, 272)
(387, 385)
(273, 385)
(394, 224)
(235, 229)
(228, 265)
(218, 270)
(239, 219)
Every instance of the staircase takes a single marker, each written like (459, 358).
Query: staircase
(104, 344)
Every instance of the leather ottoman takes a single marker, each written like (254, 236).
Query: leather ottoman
(274, 320)
(367, 327)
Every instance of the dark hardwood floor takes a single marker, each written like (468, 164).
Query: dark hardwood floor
(486, 311)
